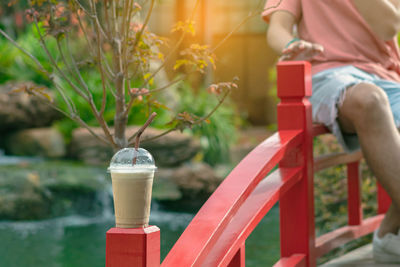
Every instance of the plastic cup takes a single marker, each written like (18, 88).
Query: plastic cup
(132, 187)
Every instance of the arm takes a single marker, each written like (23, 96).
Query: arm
(279, 34)
(395, 3)
(383, 16)
(280, 30)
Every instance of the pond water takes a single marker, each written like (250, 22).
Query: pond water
(80, 241)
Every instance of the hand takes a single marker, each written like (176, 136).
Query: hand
(301, 50)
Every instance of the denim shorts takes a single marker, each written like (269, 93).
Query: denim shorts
(328, 93)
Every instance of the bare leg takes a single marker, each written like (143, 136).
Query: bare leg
(366, 111)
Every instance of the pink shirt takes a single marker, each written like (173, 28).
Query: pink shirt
(345, 35)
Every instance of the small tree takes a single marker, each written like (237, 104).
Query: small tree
(121, 48)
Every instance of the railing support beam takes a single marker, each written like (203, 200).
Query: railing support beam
(297, 205)
(354, 208)
(139, 247)
(384, 200)
(239, 260)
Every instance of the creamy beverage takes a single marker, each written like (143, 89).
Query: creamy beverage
(132, 173)
(132, 197)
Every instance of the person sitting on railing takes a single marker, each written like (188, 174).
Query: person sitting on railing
(355, 61)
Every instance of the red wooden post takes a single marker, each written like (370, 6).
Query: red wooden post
(139, 247)
(239, 260)
(297, 205)
(384, 200)
(354, 209)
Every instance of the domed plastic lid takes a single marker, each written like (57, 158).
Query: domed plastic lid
(130, 159)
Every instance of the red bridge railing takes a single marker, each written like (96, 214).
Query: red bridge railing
(217, 234)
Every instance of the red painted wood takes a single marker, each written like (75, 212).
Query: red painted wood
(297, 205)
(139, 247)
(256, 206)
(294, 79)
(319, 129)
(239, 260)
(334, 159)
(296, 260)
(354, 213)
(217, 234)
(384, 200)
(338, 237)
(209, 223)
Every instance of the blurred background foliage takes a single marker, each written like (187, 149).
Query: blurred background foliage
(216, 135)
(14, 66)
(330, 196)
(220, 133)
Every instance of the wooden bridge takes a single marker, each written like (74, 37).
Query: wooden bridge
(361, 257)
(217, 234)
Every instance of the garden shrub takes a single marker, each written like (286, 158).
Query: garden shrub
(330, 189)
(221, 130)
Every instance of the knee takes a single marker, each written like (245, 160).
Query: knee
(366, 102)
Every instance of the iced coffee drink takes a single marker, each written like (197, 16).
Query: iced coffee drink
(132, 173)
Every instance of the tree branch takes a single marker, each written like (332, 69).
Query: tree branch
(103, 124)
(54, 63)
(35, 60)
(109, 72)
(75, 66)
(95, 17)
(177, 45)
(89, 99)
(220, 102)
(106, 18)
(85, 33)
(76, 75)
(77, 119)
(146, 21)
(131, 142)
(126, 37)
(68, 101)
(99, 59)
(251, 15)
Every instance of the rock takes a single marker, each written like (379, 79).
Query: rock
(196, 180)
(27, 206)
(169, 150)
(195, 183)
(52, 189)
(165, 189)
(22, 111)
(46, 190)
(44, 142)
